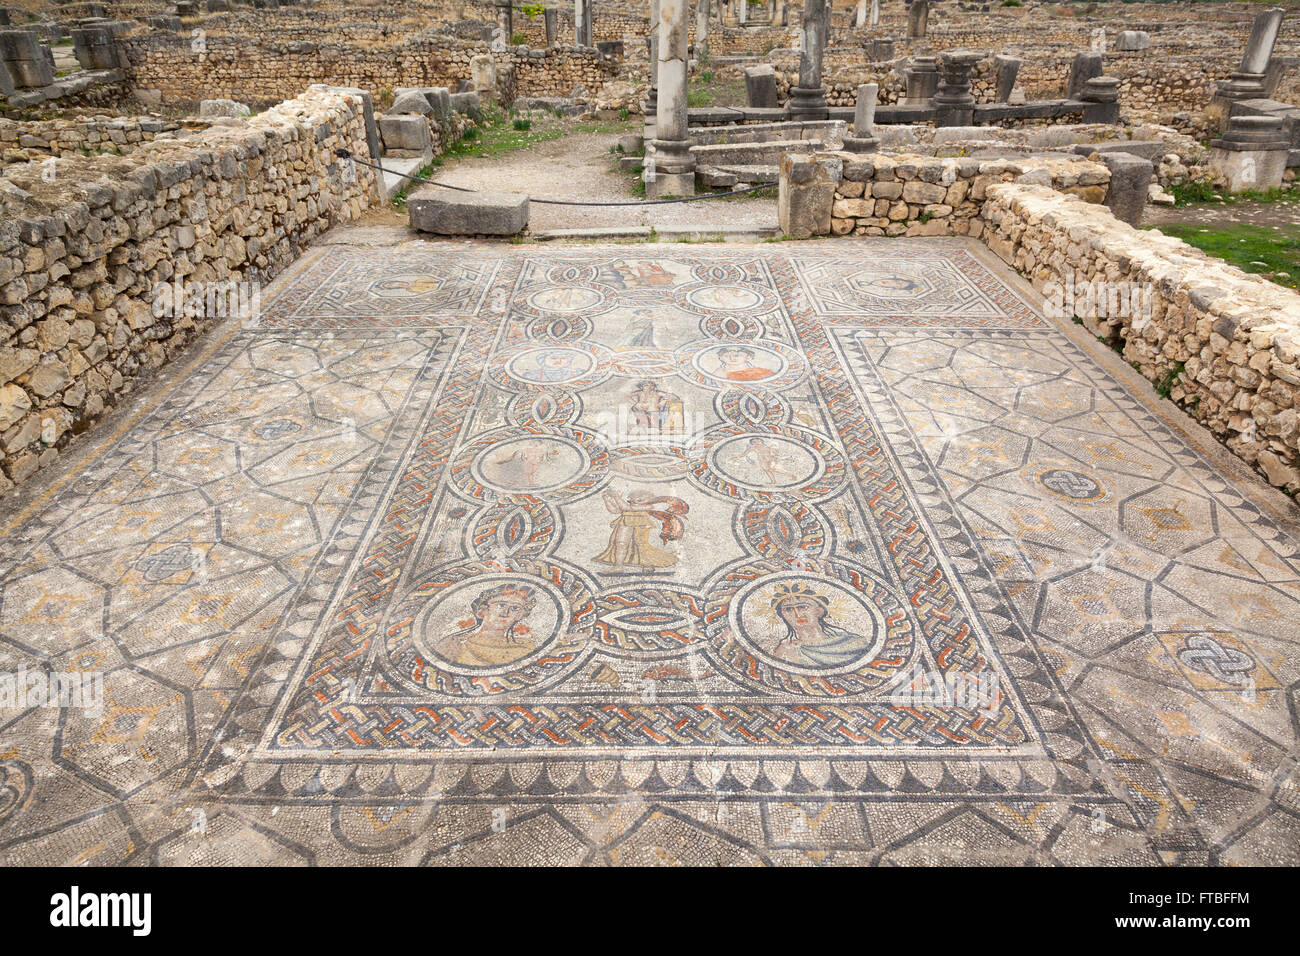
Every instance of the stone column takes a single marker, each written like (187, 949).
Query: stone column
(1247, 83)
(550, 22)
(860, 20)
(1084, 68)
(652, 92)
(702, 28)
(874, 19)
(579, 22)
(954, 100)
(26, 59)
(918, 19)
(1101, 93)
(1252, 154)
(922, 81)
(589, 21)
(505, 20)
(674, 164)
(742, 11)
(864, 139)
(808, 99)
(1007, 69)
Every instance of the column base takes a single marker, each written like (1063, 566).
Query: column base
(1107, 113)
(861, 144)
(1242, 86)
(955, 116)
(669, 185)
(808, 103)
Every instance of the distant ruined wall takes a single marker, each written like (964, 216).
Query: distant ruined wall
(82, 258)
(174, 74)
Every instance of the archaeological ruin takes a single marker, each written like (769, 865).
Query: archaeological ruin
(715, 415)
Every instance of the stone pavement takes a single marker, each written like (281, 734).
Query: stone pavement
(790, 553)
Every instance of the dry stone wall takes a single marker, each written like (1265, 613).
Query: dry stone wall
(35, 140)
(1223, 345)
(174, 74)
(83, 258)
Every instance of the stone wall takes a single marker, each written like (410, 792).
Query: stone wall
(82, 258)
(1226, 345)
(891, 195)
(37, 139)
(165, 65)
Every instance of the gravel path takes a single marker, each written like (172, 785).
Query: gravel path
(580, 166)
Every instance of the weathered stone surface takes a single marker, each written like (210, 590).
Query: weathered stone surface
(1129, 178)
(445, 212)
(407, 132)
(210, 108)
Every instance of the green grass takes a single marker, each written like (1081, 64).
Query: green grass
(399, 198)
(709, 89)
(1170, 379)
(1201, 192)
(498, 134)
(1244, 246)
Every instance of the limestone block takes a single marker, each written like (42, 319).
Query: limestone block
(449, 213)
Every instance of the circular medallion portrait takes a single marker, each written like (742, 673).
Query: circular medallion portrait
(807, 622)
(564, 299)
(765, 462)
(551, 366)
(738, 362)
(488, 622)
(724, 298)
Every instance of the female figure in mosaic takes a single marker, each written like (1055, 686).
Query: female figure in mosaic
(811, 638)
(736, 364)
(496, 634)
(638, 518)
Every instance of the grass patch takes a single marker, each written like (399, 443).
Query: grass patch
(498, 133)
(1169, 380)
(707, 88)
(399, 198)
(1259, 250)
(1201, 193)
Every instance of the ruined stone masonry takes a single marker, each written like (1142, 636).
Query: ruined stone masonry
(81, 258)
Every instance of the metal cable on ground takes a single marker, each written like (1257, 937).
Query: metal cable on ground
(346, 154)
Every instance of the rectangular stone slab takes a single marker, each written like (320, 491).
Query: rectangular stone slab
(447, 212)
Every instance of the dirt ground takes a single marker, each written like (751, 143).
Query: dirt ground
(1285, 212)
(580, 167)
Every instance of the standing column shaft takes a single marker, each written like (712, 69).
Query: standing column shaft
(652, 92)
(808, 99)
(674, 164)
(702, 27)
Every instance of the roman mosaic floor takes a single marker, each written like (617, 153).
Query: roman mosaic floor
(827, 552)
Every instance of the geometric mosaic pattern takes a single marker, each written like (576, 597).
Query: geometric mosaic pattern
(825, 552)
